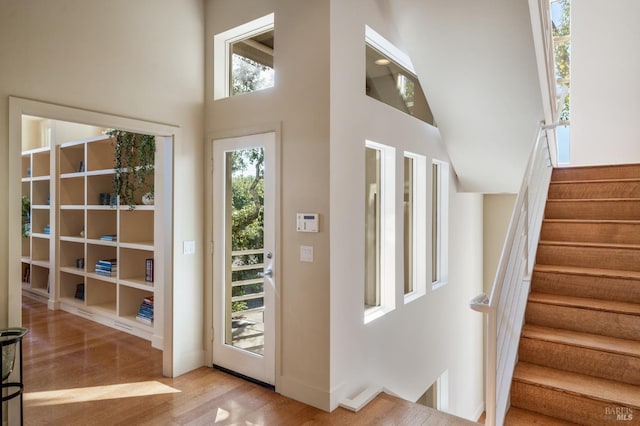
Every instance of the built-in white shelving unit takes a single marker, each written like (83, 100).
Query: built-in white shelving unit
(97, 261)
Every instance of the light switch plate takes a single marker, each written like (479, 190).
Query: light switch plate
(306, 253)
(189, 247)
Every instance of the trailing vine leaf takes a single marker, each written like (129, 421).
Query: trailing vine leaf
(134, 165)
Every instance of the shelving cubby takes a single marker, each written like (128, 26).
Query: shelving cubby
(99, 183)
(40, 219)
(70, 253)
(40, 191)
(101, 294)
(100, 154)
(71, 158)
(129, 302)
(26, 166)
(26, 273)
(101, 223)
(26, 249)
(96, 252)
(69, 291)
(41, 163)
(71, 223)
(71, 190)
(40, 279)
(40, 248)
(136, 226)
(132, 267)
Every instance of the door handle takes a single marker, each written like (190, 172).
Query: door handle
(267, 273)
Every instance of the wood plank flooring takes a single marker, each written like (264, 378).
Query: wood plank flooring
(78, 372)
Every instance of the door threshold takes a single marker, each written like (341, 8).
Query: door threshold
(243, 377)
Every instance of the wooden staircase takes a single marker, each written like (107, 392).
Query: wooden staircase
(579, 353)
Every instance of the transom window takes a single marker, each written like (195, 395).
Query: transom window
(390, 78)
(243, 58)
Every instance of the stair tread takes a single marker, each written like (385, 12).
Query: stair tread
(589, 244)
(579, 384)
(519, 416)
(594, 272)
(583, 340)
(592, 200)
(603, 180)
(582, 302)
(594, 221)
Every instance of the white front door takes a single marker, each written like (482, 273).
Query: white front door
(244, 267)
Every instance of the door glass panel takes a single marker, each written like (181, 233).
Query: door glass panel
(245, 260)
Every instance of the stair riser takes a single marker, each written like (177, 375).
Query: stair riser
(627, 171)
(588, 190)
(585, 320)
(596, 210)
(590, 257)
(618, 233)
(617, 289)
(623, 368)
(566, 406)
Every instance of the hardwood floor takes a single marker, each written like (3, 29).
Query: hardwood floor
(78, 372)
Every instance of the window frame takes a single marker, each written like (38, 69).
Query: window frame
(222, 43)
(419, 228)
(386, 242)
(439, 224)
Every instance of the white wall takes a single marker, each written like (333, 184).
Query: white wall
(139, 59)
(407, 349)
(497, 209)
(297, 107)
(605, 88)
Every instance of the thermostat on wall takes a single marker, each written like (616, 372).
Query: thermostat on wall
(307, 222)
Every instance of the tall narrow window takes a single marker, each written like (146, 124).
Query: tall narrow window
(372, 229)
(379, 222)
(561, 33)
(243, 58)
(435, 222)
(415, 222)
(439, 222)
(409, 224)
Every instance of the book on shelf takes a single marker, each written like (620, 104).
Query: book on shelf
(148, 274)
(145, 312)
(107, 263)
(79, 291)
(106, 273)
(26, 276)
(109, 237)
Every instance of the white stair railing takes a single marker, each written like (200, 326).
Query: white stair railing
(505, 308)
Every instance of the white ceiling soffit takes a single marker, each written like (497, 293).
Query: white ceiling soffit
(476, 63)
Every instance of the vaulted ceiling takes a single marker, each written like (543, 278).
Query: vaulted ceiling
(476, 63)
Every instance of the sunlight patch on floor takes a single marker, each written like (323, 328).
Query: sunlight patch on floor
(96, 393)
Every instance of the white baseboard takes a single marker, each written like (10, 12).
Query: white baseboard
(361, 399)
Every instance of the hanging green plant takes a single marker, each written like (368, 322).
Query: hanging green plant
(26, 216)
(134, 166)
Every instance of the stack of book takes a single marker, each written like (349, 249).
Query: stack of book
(145, 312)
(47, 229)
(108, 237)
(107, 267)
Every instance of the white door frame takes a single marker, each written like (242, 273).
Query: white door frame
(260, 368)
(167, 133)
